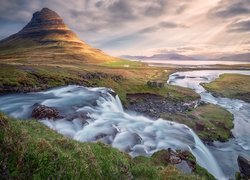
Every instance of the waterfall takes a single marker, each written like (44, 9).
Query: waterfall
(109, 123)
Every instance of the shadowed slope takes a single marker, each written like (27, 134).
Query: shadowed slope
(46, 39)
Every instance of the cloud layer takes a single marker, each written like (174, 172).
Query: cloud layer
(142, 27)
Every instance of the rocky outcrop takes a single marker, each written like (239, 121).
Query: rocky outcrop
(44, 112)
(244, 166)
(101, 75)
(154, 105)
(157, 84)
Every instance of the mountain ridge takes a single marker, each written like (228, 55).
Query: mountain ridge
(163, 56)
(46, 37)
(175, 56)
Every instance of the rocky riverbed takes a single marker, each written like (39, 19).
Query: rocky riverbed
(154, 105)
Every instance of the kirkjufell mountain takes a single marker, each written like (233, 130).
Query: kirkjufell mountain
(47, 39)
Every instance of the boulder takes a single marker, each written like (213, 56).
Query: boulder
(44, 112)
(244, 166)
(156, 84)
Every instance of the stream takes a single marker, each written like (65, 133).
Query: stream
(131, 132)
(225, 153)
(109, 123)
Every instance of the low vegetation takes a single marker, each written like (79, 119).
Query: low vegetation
(231, 86)
(31, 150)
(123, 80)
(209, 121)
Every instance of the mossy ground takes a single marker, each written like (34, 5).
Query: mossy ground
(231, 86)
(16, 78)
(31, 150)
(209, 121)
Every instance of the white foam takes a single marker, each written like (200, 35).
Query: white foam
(109, 123)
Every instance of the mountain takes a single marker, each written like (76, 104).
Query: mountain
(170, 56)
(46, 39)
(174, 56)
(166, 56)
(236, 57)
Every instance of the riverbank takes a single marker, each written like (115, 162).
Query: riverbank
(41, 152)
(239, 144)
(130, 83)
(234, 86)
(210, 122)
(126, 81)
(123, 80)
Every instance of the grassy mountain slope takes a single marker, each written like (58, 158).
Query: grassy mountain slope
(46, 39)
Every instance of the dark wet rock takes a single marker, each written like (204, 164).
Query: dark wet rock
(43, 112)
(156, 84)
(112, 93)
(154, 105)
(182, 159)
(101, 75)
(244, 166)
(82, 116)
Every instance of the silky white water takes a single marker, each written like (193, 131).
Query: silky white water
(109, 123)
(226, 153)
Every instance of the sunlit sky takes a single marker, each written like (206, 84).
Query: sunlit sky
(144, 27)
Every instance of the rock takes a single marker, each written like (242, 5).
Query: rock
(174, 159)
(244, 166)
(101, 75)
(77, 115)
(154, 105)
(43, 112)
(156, 84)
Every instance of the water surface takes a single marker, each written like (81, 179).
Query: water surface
(109, 123)
(225, 153)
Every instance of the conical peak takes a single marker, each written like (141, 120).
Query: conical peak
(45, 14)
(45, 19)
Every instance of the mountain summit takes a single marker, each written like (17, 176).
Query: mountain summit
(47, 21)
(47, 38)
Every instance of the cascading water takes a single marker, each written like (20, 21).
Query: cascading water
(226, 152)
(109, 123)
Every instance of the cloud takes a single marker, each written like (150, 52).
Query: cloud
(246, 42)
(134, 24)
(185, 49)
(240, 26)
(231, 9)
(160, 26)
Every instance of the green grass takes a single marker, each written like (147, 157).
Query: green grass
(16, 78)
(123, 63)
(31, 150)
(216, 122)
(231, 86)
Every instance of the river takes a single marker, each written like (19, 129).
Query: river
(109, 123)
(131, 132)
(225, 153)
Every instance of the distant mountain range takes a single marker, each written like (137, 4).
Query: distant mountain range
(175, 56)
(167, 56)
(236, 57)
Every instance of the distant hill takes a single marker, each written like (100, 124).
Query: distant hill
(166, 56)
(237, 57)
(46, 39)
(174, 56)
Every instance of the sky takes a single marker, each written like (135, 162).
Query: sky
(144, 27)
